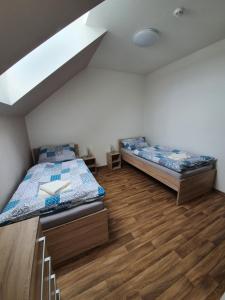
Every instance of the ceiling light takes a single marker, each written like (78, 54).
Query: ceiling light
(146, 37)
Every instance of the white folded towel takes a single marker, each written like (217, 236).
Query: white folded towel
(42, 195)
(178, 156)
(54, 187)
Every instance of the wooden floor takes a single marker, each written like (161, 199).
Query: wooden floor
(157, 250)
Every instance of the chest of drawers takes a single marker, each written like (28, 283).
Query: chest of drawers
(25, 266)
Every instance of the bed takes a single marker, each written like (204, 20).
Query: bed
(193, 179)
(74, 220)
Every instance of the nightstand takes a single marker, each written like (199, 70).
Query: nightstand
(113, 160)
(90, 161)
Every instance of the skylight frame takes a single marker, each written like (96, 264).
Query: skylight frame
(44, 60)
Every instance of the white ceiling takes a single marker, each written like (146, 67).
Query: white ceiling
(202, 24)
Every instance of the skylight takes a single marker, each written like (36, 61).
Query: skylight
(40, 63)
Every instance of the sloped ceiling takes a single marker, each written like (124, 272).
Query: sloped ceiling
(25, 24)
(202, 24)
(53, 82)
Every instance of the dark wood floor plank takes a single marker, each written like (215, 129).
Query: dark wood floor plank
(149, 276)
(107, 269)
(216, 256)
(203, 289)
(216, 294)
(178, 290)
(156, 250)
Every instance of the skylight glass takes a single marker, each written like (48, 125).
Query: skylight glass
(40, 63)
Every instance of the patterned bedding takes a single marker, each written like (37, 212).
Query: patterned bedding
(56, 153)
(134, 143)
(27, 202)
(174, 159)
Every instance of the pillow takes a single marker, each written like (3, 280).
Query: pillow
(142, 145)
(54, 154)
(134, 143)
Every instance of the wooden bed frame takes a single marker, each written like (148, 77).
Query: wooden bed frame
(73, 238)
(187, 188)
(70, 239)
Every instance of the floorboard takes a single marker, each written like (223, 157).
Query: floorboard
(156, 250)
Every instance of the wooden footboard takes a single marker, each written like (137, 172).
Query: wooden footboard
(195, 185)
(187, 188)
(70, 239)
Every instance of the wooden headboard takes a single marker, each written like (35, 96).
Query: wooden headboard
(35, 153)
(120, 141)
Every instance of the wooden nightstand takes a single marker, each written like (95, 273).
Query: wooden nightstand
(113, 160)
(90, 161)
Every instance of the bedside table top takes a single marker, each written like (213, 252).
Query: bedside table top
(87, 157)
(113, 153)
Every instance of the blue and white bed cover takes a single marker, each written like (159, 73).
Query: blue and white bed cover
(26, 203)
(174, 159)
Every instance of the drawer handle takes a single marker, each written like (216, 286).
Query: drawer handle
(54, 280)
(58, 294)
(42, 240)
(48, 259)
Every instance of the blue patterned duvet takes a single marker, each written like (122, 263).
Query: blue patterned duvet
(174, 159)
(26, 201)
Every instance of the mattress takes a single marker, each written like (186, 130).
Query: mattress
(172, 158)
(65, 216)
(28, 202)
(167, 170)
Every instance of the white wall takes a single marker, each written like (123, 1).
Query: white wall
(14, 155)
(185, 105)
(94, 109)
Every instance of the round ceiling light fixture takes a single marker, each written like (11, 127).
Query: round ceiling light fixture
(146, 37)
